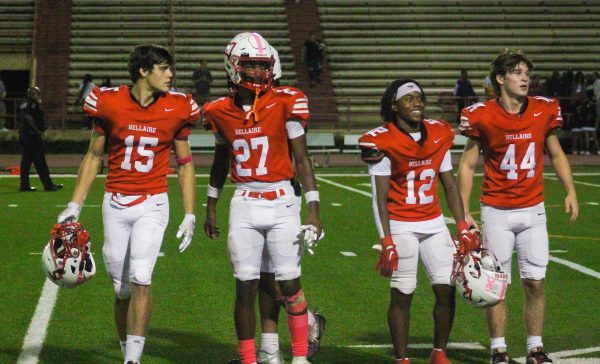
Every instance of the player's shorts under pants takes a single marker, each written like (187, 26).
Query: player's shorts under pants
(521, 229)
(256, 223)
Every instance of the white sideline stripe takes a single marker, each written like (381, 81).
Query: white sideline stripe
(578, 182)
(32, 344)
(83, 205)
(575, 266)
(558, 251)
(564, 356)
(591, 203)
(336, 204)
(463, 346)
(13, 205)
(348, 254)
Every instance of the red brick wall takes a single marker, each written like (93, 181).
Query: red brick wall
(51, 46)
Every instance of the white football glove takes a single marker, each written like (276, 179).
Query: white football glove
(186, 229)
(308, 234)
(70, 213)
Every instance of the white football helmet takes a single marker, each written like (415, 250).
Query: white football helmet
(479, 278)
(276, 65)
(244, 51)
(67, 260)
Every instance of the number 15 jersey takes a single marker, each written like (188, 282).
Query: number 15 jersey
(139, 138)
(513, 149)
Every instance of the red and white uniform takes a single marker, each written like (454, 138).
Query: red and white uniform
(261, 164)
(139, 138)
(513, 149)
(413, 162)
(512, 191)
(135, 209)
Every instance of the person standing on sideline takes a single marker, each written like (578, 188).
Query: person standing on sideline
(140, 125)
(33, 124)
(253, 126)
(2, 106)
(463, 92)
(513, 131)
(313, 53)
(202, 79)
(406, 156)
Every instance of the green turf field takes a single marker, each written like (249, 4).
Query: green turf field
(192, 318)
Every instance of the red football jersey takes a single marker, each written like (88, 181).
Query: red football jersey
(139, 138)
(259, 151)
(513, 149)
(413, 183)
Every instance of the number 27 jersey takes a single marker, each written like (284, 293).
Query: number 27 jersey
(513, 149)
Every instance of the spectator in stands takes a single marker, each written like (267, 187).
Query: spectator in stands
(596, 89)
(488, 88)
(202, 79)
(577, 108)
(313, 57)
(535, 86)
(32, 125)
(552, 85)
(106, 82)
(588, 120)
(2, 106)
(463, 92)
(86, 86)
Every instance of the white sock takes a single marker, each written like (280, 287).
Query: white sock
(269, 342)
(123, 346)
(534, 342)
(497, 342)
(311, 318)
(134, 348)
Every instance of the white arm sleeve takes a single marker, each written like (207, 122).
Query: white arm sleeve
(294, 129)
(375, 207)
(446, 163)
(381, 168)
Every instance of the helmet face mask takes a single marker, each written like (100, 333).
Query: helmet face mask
(479, 278)
(249, 61)
(66, 259)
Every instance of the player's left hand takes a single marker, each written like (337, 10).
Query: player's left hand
(186, 230)
(308, 234)
(571, 206)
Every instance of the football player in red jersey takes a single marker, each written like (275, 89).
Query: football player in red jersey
(252, 128)
(406, 156)
(140, 125)
(513, 131)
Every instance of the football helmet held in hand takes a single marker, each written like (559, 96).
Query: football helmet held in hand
(249, 61)
(66, 259)
(479, 278)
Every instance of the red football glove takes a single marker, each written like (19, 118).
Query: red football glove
(468, 238)
(388, 260)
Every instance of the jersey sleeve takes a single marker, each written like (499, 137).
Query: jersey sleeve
(92, 105)
(300, 108)
(207, 119)
(556, 121)
(372, 148)
(468, 121)
(192, 115)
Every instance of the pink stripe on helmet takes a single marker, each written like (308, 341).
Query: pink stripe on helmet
(259, 44)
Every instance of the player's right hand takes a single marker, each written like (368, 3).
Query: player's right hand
(71, 213)
(468, 236)
(388, 260)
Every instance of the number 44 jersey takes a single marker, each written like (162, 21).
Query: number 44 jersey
(513, 148)
(139, 138)
(258, 143)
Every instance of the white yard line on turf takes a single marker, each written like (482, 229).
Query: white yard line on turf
(32, 344)
(575, 266)
(577, 182)
(463, 346)
(563, 356)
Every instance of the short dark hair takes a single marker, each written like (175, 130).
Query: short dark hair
(145, 56)
(505, 62)
(389, 96)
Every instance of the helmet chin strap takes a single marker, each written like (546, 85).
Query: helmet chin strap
(253, 114)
